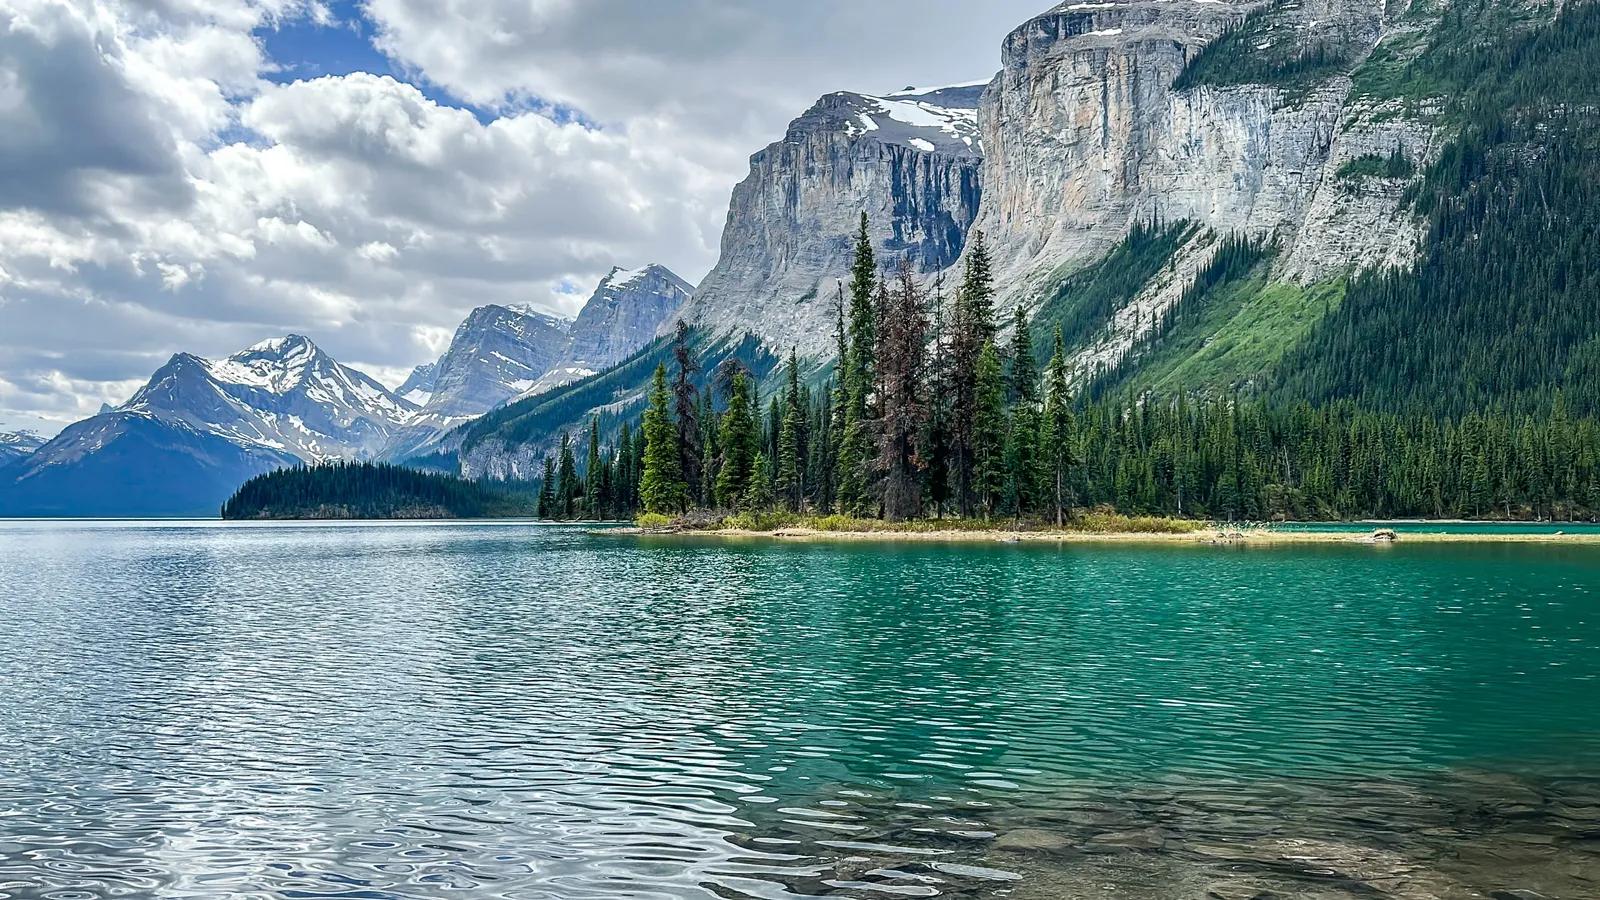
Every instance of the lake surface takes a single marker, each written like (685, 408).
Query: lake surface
(514, 711)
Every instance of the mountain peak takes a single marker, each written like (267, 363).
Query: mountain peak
(635, 279)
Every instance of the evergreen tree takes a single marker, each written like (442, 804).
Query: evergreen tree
(758, 495)
(1057, 432)
(594, 472)
(936, 444)
(547, 490)
(739, 440)
(569, 488)
(686, 399)
(662, 489)
(973, 330)
(988, 431)
(791, 479)
(1023, 462)
(863, 323)
(902, 368)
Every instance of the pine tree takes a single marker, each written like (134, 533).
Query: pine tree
(758, 495)
(989, 431)
(739, 439)
(853, 499)
(791, 480)
(1058, 432)
(711, 451)
(936, 443)
(973, 330)
(547, 490)
(569, 489)
(1024, 381)
(662, 489)
(903, 410)
(863, 323)
(594, 476)
(686, 407)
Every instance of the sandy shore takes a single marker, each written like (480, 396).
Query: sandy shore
(1204, 537)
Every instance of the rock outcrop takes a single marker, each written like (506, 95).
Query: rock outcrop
(910, 160)
(1085, 134)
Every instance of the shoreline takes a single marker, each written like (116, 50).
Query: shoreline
(1205, 537)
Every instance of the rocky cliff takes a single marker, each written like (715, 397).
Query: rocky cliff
(1237, 116)
(910, 160)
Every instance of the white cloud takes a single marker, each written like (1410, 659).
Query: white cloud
(159, 193)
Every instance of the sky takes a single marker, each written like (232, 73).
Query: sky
(199, 175)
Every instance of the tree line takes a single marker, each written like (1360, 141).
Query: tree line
(357, 490)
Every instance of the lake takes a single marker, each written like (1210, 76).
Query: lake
(517, 711)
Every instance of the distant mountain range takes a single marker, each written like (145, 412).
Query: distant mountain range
(184, 441)
(200, 428)
(16, 444)
(502, 354)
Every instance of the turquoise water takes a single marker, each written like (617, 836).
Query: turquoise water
(1492, 528)
(420, 711)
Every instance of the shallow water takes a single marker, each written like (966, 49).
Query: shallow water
(424, 711)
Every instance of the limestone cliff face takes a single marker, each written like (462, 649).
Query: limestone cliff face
(1085, 134)
(910, 160)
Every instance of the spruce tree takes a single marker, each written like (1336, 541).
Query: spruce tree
(594, 476)
(973, 330)
(758, 493)
(547, 490)
(569, 489)
(738, 439)
(936, 443)
(662, 490)
(1058, 433)
(686, 398)
(902, 400)
(989, 431)
(791, 480)
(863, 322)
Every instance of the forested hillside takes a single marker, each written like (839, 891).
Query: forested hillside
(369, 491)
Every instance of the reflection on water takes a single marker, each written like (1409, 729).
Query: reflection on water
(410, 712)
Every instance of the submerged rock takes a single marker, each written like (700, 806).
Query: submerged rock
(1031, 840)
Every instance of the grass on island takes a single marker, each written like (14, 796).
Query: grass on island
(1097, 522)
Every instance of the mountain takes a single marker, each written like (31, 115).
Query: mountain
(910, 160)
(624, 314)
(199, 428)
(502, 354)
(497, 354)
(418, 388)
(14, 445)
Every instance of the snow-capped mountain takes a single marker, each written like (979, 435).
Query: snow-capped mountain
(497, 354)
(501, 354)
(624, 314)
(199, 428)
(419, 387)
(14, 445)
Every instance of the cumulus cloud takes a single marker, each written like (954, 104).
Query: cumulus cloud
(161, 191)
